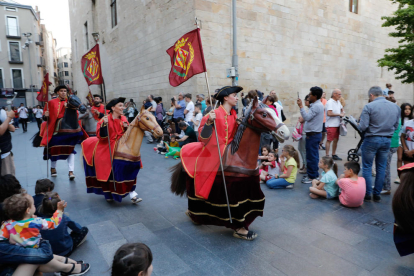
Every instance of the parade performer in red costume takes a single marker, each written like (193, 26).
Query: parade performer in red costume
(61, 132)
(98, 109)
(205, 190)
(97, 159)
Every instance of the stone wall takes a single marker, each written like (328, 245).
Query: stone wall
(285, 45)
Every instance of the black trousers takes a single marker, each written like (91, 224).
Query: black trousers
(24, 123)
(39, 122)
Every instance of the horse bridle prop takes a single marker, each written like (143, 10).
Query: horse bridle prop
(250, 125)
(145, 128)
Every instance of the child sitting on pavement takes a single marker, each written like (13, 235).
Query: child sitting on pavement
(23, 229)
(62, 242)
(326, 187)
(352, 187)
(173, 142)
(42, 186)
(289, 164)
(270, 168)
(263, 157)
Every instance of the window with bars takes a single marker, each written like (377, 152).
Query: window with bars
(353, 6)
(17, 78)
(114, 18)
(66, 64)
(14, 48)
(66, 73)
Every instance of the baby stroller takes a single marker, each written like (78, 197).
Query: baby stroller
(353, 154)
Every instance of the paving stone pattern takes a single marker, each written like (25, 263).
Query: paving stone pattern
(297, 235)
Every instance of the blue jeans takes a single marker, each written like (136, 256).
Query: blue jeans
(312, 155)
(377, 147)
(14, 254)
(277, 183)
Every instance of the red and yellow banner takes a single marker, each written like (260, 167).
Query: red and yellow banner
(187, 58)
(90, 98)
(91, 66)
(43, 95)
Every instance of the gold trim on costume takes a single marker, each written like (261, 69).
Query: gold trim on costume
(226, 219)
(225, 205)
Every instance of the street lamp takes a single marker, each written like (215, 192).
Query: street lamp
(26, 45)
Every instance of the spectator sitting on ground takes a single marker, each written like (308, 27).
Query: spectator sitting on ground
(352, 187)
(270, 167)
(189, 110)
(132, 259)
(196, 120)
(334, 113)
(42, 187)
(289, 164)
(62, 242)
(9, 186)
(326, 187)
(173, 142)
(379, 119)
(6, 157)
(181, 135)
(189, 134)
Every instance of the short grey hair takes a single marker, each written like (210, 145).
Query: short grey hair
(335, 91)
(375, 91)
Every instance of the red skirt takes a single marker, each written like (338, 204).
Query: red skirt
(245, 197)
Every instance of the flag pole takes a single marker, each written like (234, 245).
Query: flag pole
(219, 152)
(107, 130)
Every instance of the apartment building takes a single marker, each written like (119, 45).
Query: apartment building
(64, 64)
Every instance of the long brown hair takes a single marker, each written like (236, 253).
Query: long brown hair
(49, 204)
(328, 161)
(403, 202)
(293, 153)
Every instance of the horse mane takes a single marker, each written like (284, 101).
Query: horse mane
(240, 130)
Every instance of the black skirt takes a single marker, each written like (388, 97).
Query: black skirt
(245, 197)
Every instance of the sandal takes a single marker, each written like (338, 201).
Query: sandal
(248, 237)
(136, 200)
(77, 262)
(188, 215)
(84, 268)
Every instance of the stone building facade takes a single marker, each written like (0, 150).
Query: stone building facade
(64, 64)
(283, 45)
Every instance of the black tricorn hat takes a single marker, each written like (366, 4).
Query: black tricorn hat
(97, 95)
(114, 102)
(225, 91)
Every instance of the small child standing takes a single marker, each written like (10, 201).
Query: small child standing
(42, 186)
(62, 242)
(289, 163)
(270, 168)
(197, 117)
(352, 187)
(326, 187)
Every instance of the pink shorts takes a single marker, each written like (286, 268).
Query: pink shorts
(332, 133)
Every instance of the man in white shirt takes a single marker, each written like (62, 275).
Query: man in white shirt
(189, 110)
(334, 112)
(22, 111)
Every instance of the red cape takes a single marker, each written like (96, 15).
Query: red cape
(96, 148)
(201, 159)
(56, 109)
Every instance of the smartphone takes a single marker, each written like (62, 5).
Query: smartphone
(298, 95)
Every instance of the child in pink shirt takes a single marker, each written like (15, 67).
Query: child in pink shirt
(352, 187)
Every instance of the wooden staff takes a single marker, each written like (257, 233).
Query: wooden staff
(219, 151)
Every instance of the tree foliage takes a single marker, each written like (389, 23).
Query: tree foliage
(401, 59)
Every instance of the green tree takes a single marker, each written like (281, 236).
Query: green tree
(401, 59)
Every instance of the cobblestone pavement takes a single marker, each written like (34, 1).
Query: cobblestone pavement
(297, 235)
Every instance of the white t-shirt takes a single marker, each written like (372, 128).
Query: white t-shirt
(38, 112)
(198, 118)
(22, 112)
(336, 108)
(154, 105)
(408, 130)
(131, 111)
(190, 108)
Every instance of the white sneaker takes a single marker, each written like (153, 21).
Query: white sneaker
(397, 180)
(289, 187)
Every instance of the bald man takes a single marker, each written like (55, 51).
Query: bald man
(334, 113)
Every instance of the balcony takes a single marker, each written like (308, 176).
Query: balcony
(40, 62)
(13, 32)
(39, 39)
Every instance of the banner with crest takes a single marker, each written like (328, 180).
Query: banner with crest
(91, 66)
(44, 90)
(187, 58)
